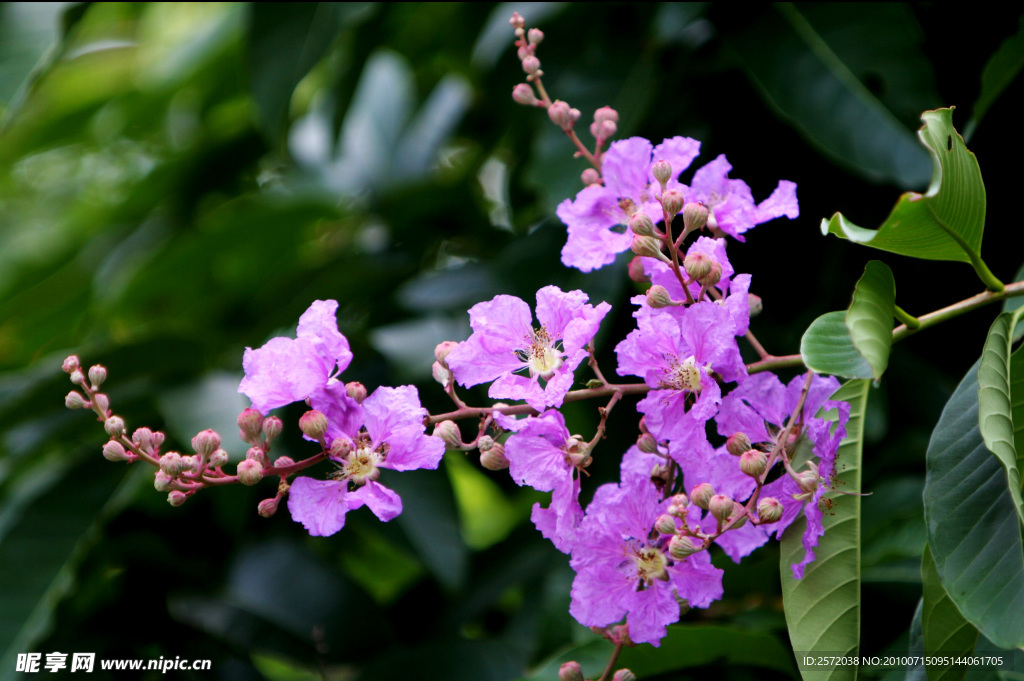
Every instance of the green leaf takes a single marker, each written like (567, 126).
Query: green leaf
(997, 410)
(945, 223)
(810, 65)
(973, 530)
(946, 632)
(823, 608)
(855, 344)
(1002, 68)
(915, 649)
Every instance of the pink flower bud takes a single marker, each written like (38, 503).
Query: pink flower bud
(679, 547)
(171, 464)
(755, 304)
(662, 171)
(143, 439)
(701, 495)
(494, 458)
(485, 443)
(647, 444)
(206, 442)
(114, 426)
(769, 510)
(258, 455)
(77, 377)
(449, 432)
(113, 451)
(218, 459)
(636, 271)
(75, 400)
(590, 176)
(356, 390)
(698, 266)
(562, 115)
(444, 348)
(695, 216)
(535, 36)
(313, 424)
(657, 297)
(250, 422)
(672, 201)
(517, 20)
(97, 374)
(531, 64)
(441, 374)
(268, 507)
(272, 427)
(162, 481)
(738, 443)
(753, 462)
(157, 439)
(176, 498)
(641, 225)
(102, 402)
(283, 462)
(249, 472)
(720, 506)
(71, 364)
(807, 481)
(341, 447)
(624, 675)
(665, 524)
(605, 130)
(570, 671)
(606, 113)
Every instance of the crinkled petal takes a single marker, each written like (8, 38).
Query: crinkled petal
(591, 243)
(385, 503)
(650, 613)
(319, 325)
(599, 594)
(320, 505)
(740, 543)
(582, 329)
(560, 521)
(344, 414)
(781, 202)
(697, 580)
(500, 327)
(536, 454)
(281, 372)
(555, 308)
(625, 167)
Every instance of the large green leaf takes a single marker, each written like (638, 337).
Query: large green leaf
(823, 608)
(810, 64)
(1001, 70)
(973, 530)
(946, 222)
(946, 632)
(855, 344)
(1000, 406)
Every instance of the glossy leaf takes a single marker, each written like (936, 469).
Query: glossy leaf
(1000, 388)
(973, 530)
(1000, 71)
(855, 344)
(945, 631)
(823, 608)
(946, 222)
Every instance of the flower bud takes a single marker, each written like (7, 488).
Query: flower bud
(191, 464)
(697, 265)
(356, 390)
(176, 498)
(218, 459)
(97, 374)
(720, 506)
(739, 513)
(113, 451)
(662, 172)
(517, 20)
(624, 675)
(75, 400)
(672, 201)
(769, 510)
(755, 304)
(606, 113)
(658, 297)
(647, 444)
(449, 432)
(714, 276)
(534, 36)
(590, 176)
(101, 402)
(341, 447)
(249, 472)
(641, 225)
(283, 461)
(738, 443)
(143, 439)
(268, 507)
(807, 480)
(531, 64)
(77, 377)
(523, 94)
(257, 454)
(206, 442)
(701, 495)
(443, 349)
(156, 438)
(695, 216)
(602, 130)
(162, 481)
(441, 374)
(71, 364)
(660, 475)
(753, 462)
(636, 271)
(679, 500)
(494, 458)
(680, 547)
(250, 422)
(649, 247)
(114, 426)
(485, 443)
(665, 524)
(171, 464)
(313, 424)
(570, 671)
(272, 427)
(562, 115)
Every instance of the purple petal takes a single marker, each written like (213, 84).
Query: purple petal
(625, 167)
(319, 325)
(535, 454)
(384, 503)
(650, 613)
(344, 414)
(281, 372)
(781, 202)
(555, 308)
(560, 520)
(320, 505)
(697, 580)
(678, 151)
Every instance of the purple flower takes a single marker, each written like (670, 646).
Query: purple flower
(287, 370)
(623, 567)
(676, 355)
(505, 345)
(628, 188)
(543, 455)
(392, 435)
(731, 202)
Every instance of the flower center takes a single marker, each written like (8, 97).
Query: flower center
(650, 564)
(361, 465)
(541, 355)
(683, 375)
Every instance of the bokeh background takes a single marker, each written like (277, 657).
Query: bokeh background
(179, 181)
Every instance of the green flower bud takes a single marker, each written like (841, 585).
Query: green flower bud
(662, 171)
(647, 444)
(665, 524)
(680, 547)
(649, 247)
(658, 297)
(739, 512)
(720, 506)
(641, 225)
(755, 304)
(738, 443)
(701, 495)
(272, 427)
(313, 424)
(206, 442)
(356, 390)
(449, 432)
(672, 201)
(753, 462)
(769, 510)
(695, 216)
(698, 265)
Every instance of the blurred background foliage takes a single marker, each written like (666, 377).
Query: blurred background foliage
(179, 181)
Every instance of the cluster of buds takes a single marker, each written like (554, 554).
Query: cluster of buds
(571, 671)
